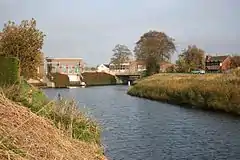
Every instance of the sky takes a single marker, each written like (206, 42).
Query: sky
(90, 29)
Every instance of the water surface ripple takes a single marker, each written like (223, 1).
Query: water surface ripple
(140, 129)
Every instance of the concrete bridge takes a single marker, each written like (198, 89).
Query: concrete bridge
(125, 77)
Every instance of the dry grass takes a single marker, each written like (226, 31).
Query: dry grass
(209, 91)
(24, 135)
(64, 114)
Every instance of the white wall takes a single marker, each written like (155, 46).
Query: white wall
(74, 78)
(102, 68)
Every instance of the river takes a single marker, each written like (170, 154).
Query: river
(140, 129)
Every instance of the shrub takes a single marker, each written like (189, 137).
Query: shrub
(9, 70)
(25, 42)
(60, 80)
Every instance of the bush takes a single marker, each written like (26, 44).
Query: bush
(98, 78)
(60, 80)
(25, 42)
(9, 71)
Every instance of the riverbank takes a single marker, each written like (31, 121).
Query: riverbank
(33, 127)
(219, 92)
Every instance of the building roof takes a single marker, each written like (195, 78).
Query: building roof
(126, 63)
(216, 58)
(106, 65)
(64, 58)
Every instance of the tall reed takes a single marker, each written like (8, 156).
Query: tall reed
(64, 114)
(210, 91)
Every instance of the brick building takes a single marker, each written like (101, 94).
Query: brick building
(73, 67)
(217, 63)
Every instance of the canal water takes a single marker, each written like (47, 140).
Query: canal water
(140, 129)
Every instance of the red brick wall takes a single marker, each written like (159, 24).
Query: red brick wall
(226, 64)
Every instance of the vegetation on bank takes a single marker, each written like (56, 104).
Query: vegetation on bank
(24, 135)
(9, 71)
(62, 118)
(65, 114)
(60, 80)
(32, 126)
(23, 41)
(210, 91)
(98, 78)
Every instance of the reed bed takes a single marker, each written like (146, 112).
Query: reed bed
(209, 91)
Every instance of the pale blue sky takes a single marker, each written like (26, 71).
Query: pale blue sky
(91, 28)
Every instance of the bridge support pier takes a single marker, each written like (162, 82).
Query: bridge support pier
(127, 79)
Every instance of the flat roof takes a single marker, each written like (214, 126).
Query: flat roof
(63, 58)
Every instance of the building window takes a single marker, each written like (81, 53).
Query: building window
(70, 70)
(64, 69)
(77, 70)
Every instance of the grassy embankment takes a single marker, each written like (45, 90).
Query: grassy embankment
(98, 79)
(44, 129)
(210, 91)
(33, 127)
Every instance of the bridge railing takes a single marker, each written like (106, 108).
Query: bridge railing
(117, 72)
(113, 72)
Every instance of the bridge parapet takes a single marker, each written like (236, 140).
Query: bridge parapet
(124, 73)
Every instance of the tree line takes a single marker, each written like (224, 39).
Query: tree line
(155, 47)
(25, 41)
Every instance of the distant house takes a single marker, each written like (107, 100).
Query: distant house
(103, 68)
(119, 68)
(164, 66)
(217, 63)
(138, 66)
(73, 67)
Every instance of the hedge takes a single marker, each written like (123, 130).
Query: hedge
(9, 70)
(60, 80)
(98, 78)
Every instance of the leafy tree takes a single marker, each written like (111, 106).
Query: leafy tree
(181, 64)
(121, 54)
(25, 42)
(93, 69)
(192, 58)
(154, 47)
